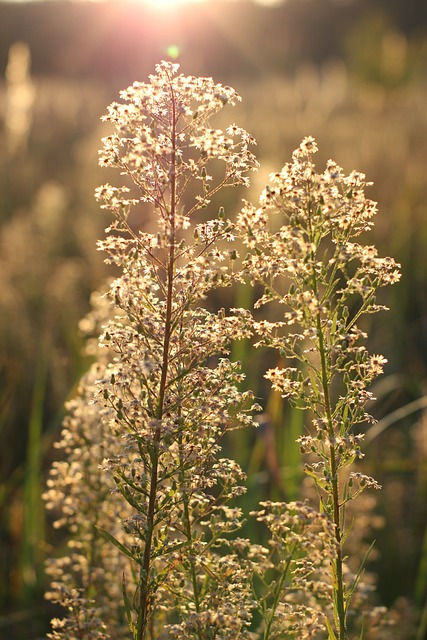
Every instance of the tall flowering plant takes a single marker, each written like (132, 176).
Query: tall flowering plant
(304, 254)
(165, 408)
(147, 498)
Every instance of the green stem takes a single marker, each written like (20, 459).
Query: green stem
(144, 581)
(278, 591)
(339, 600)
(339, 587)
(187, 520)
(189, 534)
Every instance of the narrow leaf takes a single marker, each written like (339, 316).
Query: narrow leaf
(361, 630)
(116, 543)
(331, 632)
(126, 602)
(359, 573)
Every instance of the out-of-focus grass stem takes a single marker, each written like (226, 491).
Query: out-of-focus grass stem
(31, 554)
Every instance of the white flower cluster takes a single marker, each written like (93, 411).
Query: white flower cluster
(302, 252)
(143, 490)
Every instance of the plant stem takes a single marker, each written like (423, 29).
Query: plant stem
(339, 587)
(144, 586)
(188, 533)
(277, 593)
(187, 520)
(339, 600)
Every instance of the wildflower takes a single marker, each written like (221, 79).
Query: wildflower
(147, 473)
(143, 490)
(311, 265)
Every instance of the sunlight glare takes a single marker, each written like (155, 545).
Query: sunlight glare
(168, 4)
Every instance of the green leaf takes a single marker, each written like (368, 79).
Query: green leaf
(334, 324)
(361, 630)
(116, 542)
(313, 382)
(127, 603)
(317, 479)
(344, 427)
(359, 575)
(331, 632)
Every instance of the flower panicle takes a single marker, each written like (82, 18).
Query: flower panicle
(322, 283)
(143, 488)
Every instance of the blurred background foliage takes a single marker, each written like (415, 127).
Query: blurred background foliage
(353, 73)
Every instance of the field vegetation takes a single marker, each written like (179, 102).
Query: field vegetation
(364, 103)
